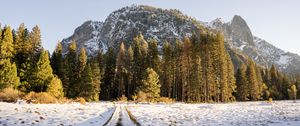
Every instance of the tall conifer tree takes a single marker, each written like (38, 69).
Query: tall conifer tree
(109, 76)
(42, 74)
(254, 93)
(121, 71)
(8, 70)
(71, 65)
(242, 84)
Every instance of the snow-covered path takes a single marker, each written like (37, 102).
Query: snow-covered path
(114, 118)
(124, 119)
(120, 118)
(278, 113)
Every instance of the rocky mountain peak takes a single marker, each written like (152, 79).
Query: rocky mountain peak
(86, 35)
(241, 31)
(124, 24)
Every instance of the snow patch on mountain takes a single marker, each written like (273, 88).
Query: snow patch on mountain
(273, 54)
(88, 36)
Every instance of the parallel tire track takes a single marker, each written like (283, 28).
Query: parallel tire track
(122, 117)
(111, 117)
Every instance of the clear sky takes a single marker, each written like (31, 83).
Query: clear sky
(277, 21)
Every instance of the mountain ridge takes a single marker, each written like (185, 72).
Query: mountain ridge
(170, 24)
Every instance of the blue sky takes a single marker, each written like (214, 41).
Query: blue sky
(276, 21)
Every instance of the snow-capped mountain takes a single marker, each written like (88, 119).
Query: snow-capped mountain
(239, 37)
(167, 25)
(122, 25)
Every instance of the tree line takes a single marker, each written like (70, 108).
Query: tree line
(195, 69)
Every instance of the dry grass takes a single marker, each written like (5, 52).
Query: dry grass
(81, 100)
(10, 95)
(165, 100)
(142, 97)
(123, 98)
(270, 100)
(40, 98)
(64, 100)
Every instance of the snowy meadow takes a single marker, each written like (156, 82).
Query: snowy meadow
(182, 114)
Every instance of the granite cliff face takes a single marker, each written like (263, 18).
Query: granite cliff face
(167, 25)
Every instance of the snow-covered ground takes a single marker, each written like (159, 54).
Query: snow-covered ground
(97, 114)
(238, 113)
(75, 114)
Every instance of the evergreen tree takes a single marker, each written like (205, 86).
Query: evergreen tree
(87, 87)
(166, 88)
(97, 76)
(219, 64)
(82, 60)
(285, 85)
(275, 83)
(297, 83)
(23, 57)
(242, 84)
(254, 93)
(223, 75)
(150, 84)
(57, 60)
(259, 80)
(109, 75)
(121, 71)
(81, 64)
(42, 74)
(55, 88)
(129, 67)
(231, 80)
(196, 84)
(140, 48)
(177, 58)
(35, 41)
(8, 74)
(186, 69)
(21, 42)
(153, 56)
(293, 92)
(207, 67)
(6, 44)
(0, 32)
(71, 65)
(58, 66)
(8, 70)
(265, 92)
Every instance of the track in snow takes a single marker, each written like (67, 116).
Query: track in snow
(120, 118)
